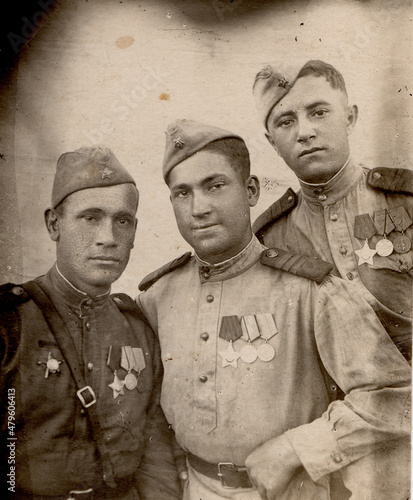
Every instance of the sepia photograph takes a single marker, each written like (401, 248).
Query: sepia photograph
(206, 228)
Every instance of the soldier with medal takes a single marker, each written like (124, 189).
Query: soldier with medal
(357, 218)
(84, 364)
(256, 343)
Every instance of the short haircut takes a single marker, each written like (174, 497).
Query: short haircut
(236, 151)
(321, 68)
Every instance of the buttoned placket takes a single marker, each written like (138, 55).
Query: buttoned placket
(205, 355)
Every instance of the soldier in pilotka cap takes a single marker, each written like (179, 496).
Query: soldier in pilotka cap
(81, 366)
(357, 218)
(257, 341)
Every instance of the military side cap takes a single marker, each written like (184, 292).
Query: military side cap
(186, 137)
(270, 86)
(87, 167)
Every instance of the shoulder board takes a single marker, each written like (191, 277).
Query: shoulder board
(397, 180)
(149, 280)
(300, 265)
(127, 304)
(281, 207)
(12, 295)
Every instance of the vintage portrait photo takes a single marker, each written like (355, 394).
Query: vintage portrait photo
(206, 229)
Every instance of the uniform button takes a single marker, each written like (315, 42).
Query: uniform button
(318, 190)
(210, 298)
(334, 217)
(290, 199)
(203, 378)
(17, 290)
(205, 336)
(206, 276)
(377, 175)
(87, 325)
(118, 300)
(272, 253)
(89, 302)
(350, 276)
(336, 457)
(322, 197)
(90, 366)
(343, 250)
(333, 388)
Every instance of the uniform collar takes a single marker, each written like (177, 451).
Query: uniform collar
(231, 267)
(336, 188)
(60, 287)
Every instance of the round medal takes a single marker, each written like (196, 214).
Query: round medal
(248, 353)
(52, 365)
(384, 247)
(130, 381)
(266, 352)
(402, 244)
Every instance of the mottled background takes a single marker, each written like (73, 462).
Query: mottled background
(77, 72)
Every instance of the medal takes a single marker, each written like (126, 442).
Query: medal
(52, 365)
(230, 331)
(229, 356)
(266, 352)
(385, 226)
(117, 386)
(248, 353)
(402, 221)
(402, 244)
(130, 381)
(132, 359)
(384, 247)
(366, 254)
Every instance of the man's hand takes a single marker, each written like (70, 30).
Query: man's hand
(272, 466)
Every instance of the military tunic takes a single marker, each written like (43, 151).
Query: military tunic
(56, 451)
(221, 412)
(322, 225)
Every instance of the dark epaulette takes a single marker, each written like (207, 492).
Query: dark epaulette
(151, 278)
(127, 304)
(397, 180)
(300, 265)
(11, 296)
(281, 207)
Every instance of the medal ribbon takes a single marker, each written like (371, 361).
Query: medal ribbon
(230, 329)
(364, 227)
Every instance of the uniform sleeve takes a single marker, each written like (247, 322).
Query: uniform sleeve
(360, 356)
(157, 477)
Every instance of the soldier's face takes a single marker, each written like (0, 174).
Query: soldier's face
(212, 204)
(309, 129)
(95, 235)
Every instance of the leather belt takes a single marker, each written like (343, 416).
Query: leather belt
(229, 474)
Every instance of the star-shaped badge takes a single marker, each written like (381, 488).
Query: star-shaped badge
(365, 254)
(117, 386)
(229, 356)
(179, 143)
(106, 173)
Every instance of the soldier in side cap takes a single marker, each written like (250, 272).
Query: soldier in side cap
(81, 368)
(255, 340)
(357, 218)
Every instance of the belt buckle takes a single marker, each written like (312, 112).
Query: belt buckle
(82, 399)
(221, 473)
